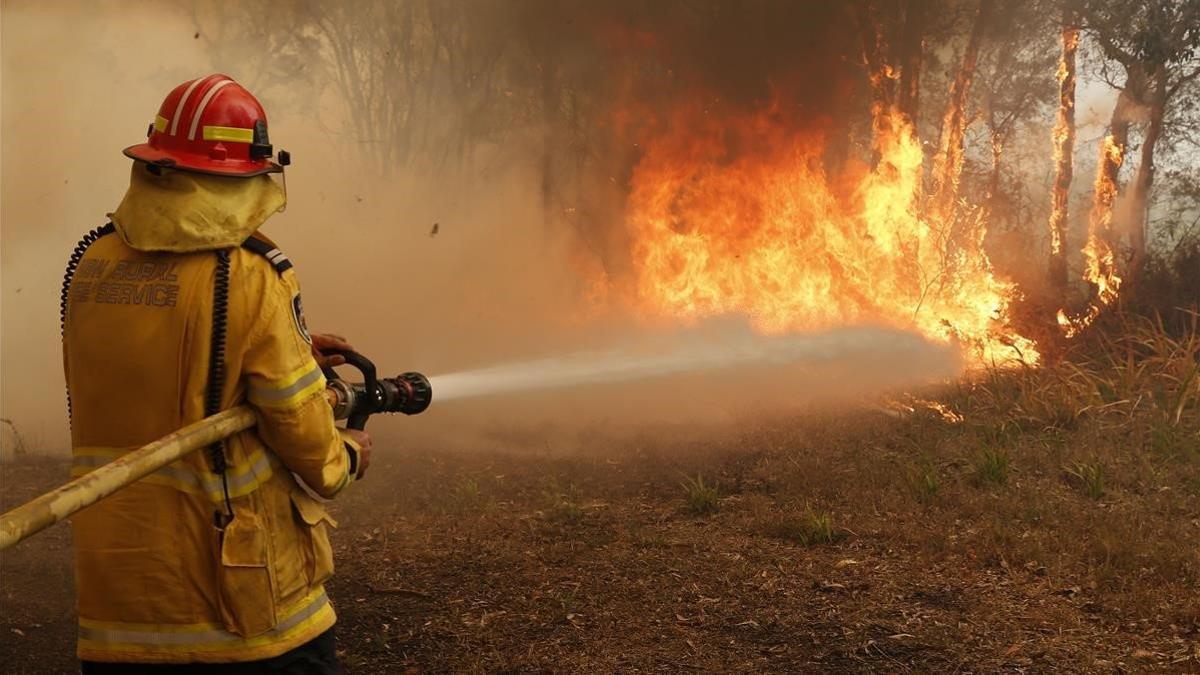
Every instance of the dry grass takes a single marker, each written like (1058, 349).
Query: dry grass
(992, 466)
(1054, 528)
(701, 498)
(806, 527)
(1138, 373)
(1088, 478)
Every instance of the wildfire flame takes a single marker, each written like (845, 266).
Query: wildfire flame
(1062, 135)
(737, 215)
(1070, 39)
(911, 404)
(1100, 268)
(1057, 216)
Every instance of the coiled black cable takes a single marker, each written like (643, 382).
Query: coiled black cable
(216, 373)
(72, 265)
(216, 359)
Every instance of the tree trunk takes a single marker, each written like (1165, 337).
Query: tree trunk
(1064, 147)
(1144, 177)
(947, 165)
(912, 54)
(1100, 267)
(993, 188)
(877, 58)
(1112, 157)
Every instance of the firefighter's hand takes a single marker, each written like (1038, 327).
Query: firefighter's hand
(363, 440)
(322, 342)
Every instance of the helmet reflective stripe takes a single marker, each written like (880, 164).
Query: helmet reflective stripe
(204, 104)
(182, 102)
(228, 134)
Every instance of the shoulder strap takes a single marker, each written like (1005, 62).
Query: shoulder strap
(266, 249)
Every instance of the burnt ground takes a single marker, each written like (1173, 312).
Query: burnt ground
(834, 545)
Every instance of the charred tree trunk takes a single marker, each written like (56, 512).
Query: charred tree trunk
(1064, 147)
(876, 52)
(947, 164)
(1144, 178)
(912, 55)
(1111, 160)
(1100, 268)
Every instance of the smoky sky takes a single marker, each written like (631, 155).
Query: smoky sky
(746, 53)
(741, 51)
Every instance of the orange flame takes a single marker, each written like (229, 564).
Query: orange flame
(911, 404)
(1100, 267)
(1061, 136)
(737, 215)
(1070, 41)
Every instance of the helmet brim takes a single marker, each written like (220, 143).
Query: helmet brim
(144, 152)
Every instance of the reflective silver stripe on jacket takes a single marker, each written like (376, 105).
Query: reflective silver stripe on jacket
(266, 395)
(198, 637)
(240, 477)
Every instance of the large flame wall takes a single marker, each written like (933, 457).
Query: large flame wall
(737, 215)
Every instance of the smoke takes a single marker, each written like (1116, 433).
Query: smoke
(75, 90)
(451, 259)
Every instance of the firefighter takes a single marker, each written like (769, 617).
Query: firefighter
(177, 309)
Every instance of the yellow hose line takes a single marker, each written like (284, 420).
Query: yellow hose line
(35, 516)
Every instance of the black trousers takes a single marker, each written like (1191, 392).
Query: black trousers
(315, 657)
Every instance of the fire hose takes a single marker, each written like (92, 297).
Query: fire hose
(355, 402)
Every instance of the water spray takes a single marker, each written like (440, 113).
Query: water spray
(697, 355)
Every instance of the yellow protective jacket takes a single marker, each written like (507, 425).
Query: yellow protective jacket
(157, 580)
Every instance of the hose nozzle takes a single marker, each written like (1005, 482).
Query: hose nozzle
(408, 393)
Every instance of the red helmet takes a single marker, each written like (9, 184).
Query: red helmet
(210, 125)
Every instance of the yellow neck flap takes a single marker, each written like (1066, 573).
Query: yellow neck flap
(179, 211)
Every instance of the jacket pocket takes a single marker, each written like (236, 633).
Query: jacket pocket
(247, 598)
(314, 524)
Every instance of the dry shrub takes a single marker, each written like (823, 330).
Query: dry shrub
(806, 528)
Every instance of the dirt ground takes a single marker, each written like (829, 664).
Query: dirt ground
(856, 543)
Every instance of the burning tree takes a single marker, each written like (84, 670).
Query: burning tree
(948, 161)
(893, 52)
(1064, 149)
(1154, 43)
